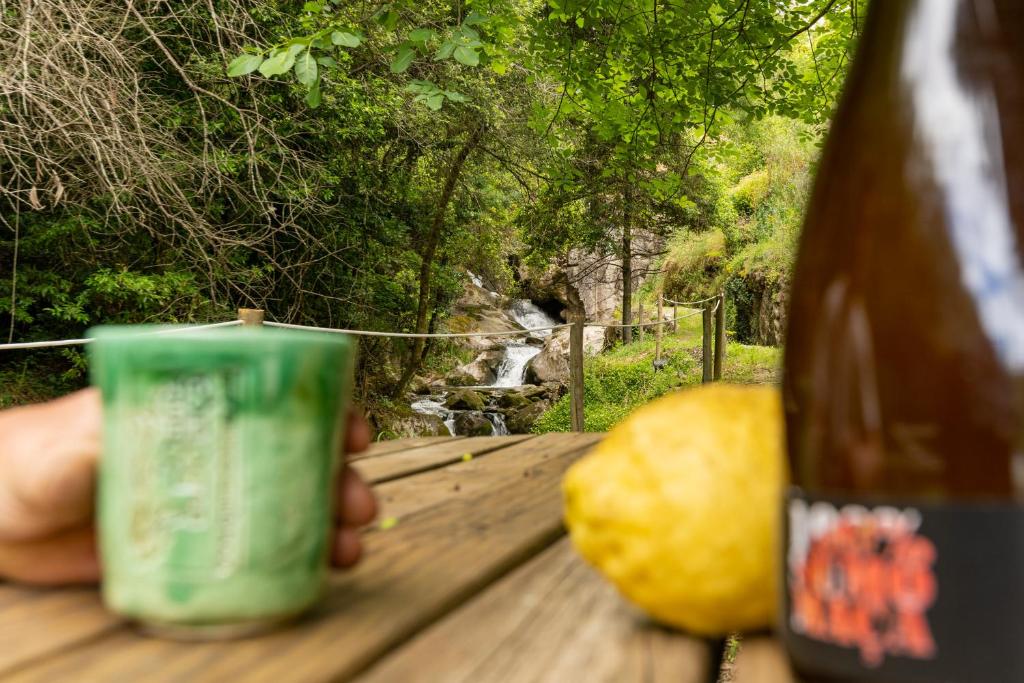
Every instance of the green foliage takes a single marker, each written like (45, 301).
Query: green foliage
(618, 382)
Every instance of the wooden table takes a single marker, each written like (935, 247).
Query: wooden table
(475, 582)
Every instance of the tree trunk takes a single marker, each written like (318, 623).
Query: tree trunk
(627, 263)
(427, 258)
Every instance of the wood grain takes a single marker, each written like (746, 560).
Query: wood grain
(554, 619)
(402, 497)
(405, 463)
(413, 575)
(385, 447)
(762, 660)
(37, 622)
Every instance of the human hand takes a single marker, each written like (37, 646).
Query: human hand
(48, 457)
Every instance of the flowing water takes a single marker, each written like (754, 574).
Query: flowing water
(511, 370)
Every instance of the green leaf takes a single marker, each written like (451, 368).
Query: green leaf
(455, 96)
(327, 61)
(467, 55)
(421, 35)
(345, 39)
(445, 51)
(403, 59)
(306, 69)
(278, 64)
(474, 17)
(579, 21)
(244, 64)
(313, 98)
(435, 101)
(388, 19)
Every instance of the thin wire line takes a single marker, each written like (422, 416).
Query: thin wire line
(414, 335)
(654, 324)
(689, 303)
(77, 342)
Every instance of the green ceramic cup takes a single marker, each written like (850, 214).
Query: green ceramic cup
(220, 449)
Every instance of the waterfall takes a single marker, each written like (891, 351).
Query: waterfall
(530, 315)
(512, 370)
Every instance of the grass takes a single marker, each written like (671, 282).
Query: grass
(622, 379)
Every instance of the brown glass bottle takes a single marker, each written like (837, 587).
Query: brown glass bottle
(904, 379)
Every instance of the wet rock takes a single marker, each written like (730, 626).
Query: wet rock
(465, 399)
(513, 399)
(473, 423)
(521, 421)
(484, 367)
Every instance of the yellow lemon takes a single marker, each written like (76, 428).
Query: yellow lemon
(679, 507)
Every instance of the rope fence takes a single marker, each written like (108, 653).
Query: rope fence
(86, 340)
(713, 327)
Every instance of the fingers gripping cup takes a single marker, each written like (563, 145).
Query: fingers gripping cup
(216, 479)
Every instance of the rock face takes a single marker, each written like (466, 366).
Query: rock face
(473, 423)
(551, 364)
(760, 305)
(465, 399)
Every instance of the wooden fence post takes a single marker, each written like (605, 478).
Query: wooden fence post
(675, 321)
(251, 317)
(657, 330)
(706, 345)
(640, 321)
(720, 343)
(576, 370)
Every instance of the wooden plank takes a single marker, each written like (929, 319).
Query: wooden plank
(553, 619)
(405, 463)
(35, 623)
(413, 574)
(762, 660)
(385, 447)
(403, 497)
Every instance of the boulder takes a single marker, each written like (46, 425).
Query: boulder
(419, 386)
(554, 390)
(484, 367)
(521, 421)
(417, 424)
(532, 392)
(513, 399)
(458, 378)
(551, 364)
(473, 423)
(465, 399)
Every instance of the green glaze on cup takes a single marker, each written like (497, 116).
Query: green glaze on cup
(220, 449)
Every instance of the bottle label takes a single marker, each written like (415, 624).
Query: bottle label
(896, 590)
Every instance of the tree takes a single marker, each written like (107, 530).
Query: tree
(651, 82)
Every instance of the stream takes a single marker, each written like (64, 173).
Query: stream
(510, 371)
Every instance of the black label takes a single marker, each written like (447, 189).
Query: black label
(904, 591)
